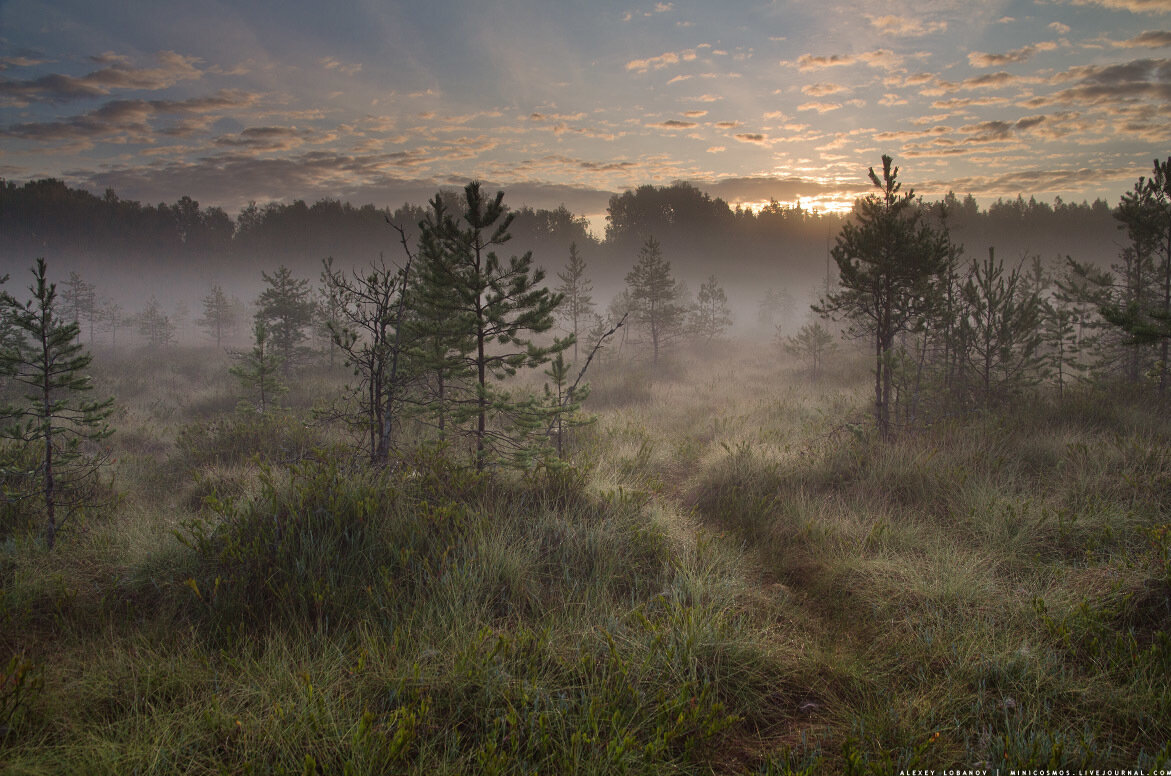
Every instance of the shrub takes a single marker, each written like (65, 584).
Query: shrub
(298, 552)
(317, 547)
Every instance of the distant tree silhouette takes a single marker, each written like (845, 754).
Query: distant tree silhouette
(219, 315)
(711, 316)
(79, 303)
(155, 326)
(577, 291)
(656, 298)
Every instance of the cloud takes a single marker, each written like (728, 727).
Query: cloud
(807, 62)
(752, 137)
(265, 139)
(998, 80)
(661, 61)
(727, 124)
(1059, 28)
(464, 118)
(1134, 6)
(905, 26)
(329, 63)
(917, 78)
(940, 139)
(22, 61)
(1035, 181)
(716, 149)
(674, 124)
(820, 107)
(124, 121)
(172, 68)
(957, 103)
(891, 100)
(1111, 84)
(822, 89)
(695, 114)
(980, 59)
(883, 59)
(555, 116)
(911, 134)
(1148, 39)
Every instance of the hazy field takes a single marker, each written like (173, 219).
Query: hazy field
(733, 576)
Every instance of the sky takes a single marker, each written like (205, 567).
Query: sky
(560, 102)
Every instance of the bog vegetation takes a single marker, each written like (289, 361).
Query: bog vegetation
(445, 515)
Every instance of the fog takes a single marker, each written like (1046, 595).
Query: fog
(174, 253)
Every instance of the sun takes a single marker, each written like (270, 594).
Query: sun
(822, 203)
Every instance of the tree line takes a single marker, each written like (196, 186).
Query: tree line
(88, 232)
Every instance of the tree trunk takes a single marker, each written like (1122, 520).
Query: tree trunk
(47, 431)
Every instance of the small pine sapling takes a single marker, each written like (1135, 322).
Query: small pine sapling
(54, 421)
(258, 369)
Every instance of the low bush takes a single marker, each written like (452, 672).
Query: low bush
(301, 551)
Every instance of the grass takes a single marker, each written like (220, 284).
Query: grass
(734, 577)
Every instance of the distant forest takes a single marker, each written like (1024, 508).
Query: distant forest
(176, 250)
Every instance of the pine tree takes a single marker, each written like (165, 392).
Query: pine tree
(286, 309)
(113, 317)
(577, 289)
(439, 344)
(655, 297)
(889, 262)
(79, 303)
(1059, 330)
(257, 369)
(155, 326)
(496, 309)
(1001, 327)
(711, 316)
(1139, 306)
(1143, 310)
(54, 421)
(811, 344)
(219, 315)
(775, 309)
(564, 401)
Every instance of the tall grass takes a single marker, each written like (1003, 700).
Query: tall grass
(733, 576)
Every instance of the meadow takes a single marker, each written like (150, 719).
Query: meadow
(733, 575)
